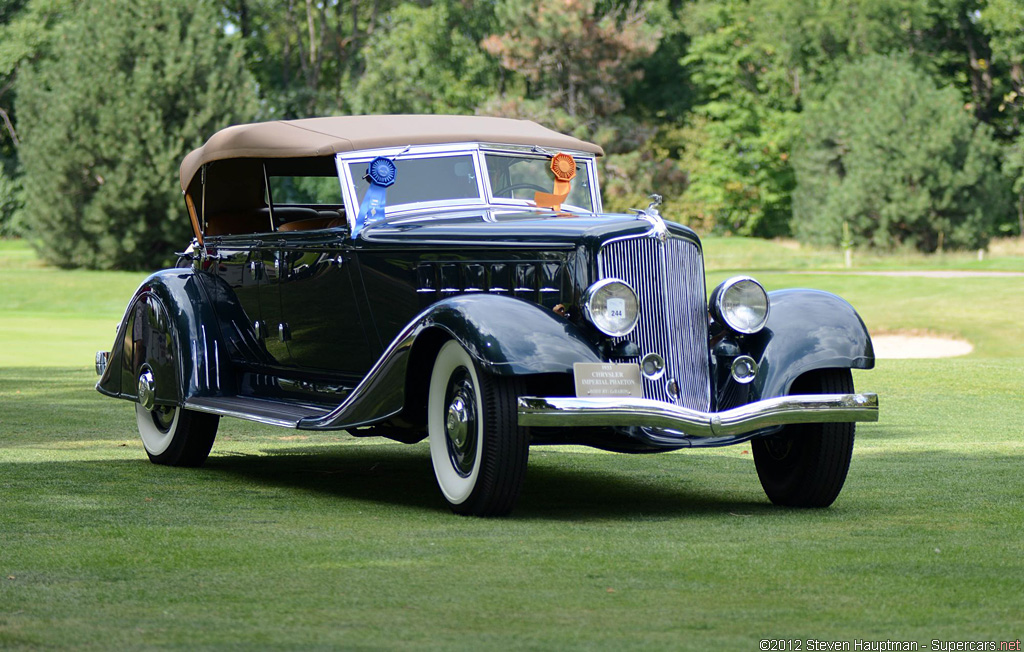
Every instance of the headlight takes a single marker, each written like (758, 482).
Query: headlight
(741, 304)
(611, 306)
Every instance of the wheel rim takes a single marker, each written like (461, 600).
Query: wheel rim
(778, 447)
(454, 423)
(461, 421)
(163, 417)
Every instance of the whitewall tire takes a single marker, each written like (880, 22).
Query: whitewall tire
(477, 449)
(175, 436)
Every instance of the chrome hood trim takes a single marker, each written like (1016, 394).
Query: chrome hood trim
(683, 422)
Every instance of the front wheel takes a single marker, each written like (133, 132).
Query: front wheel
(805, 465)
(175, 436)
(477, 449)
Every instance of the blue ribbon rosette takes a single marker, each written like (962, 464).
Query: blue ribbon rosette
(381, 173)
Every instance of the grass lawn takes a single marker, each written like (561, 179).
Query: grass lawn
(288, 540)
(747, 254)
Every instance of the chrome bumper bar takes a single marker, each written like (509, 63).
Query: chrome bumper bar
(781, 411)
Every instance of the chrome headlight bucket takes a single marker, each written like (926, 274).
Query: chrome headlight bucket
(611, 306)
(741, 304)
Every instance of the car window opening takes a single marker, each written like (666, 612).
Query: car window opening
(245, 196)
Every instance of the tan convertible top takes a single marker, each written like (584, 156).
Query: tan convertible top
(327, 136)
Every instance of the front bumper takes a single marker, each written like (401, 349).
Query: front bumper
(673, 421)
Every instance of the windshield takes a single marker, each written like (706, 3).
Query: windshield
(419, 180)
(460, 176)
(519, 177)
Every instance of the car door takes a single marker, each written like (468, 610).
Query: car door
(268, 259)
(323, 306)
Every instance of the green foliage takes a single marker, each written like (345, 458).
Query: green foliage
(573, 67)
(10, 199)
(653, 166)
(420, 61)
(576, 55)
(898, 159)
(741, 179)
(1004, 20)
(1013, 166)
(702, 102)
(127, 90)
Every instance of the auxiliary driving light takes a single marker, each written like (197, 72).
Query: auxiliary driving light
(741, 304)
(652, 366)
(611, 306)
(744, 369)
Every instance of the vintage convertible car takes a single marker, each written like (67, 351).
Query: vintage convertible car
(454, 278)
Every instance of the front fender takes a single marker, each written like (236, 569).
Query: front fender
(807, 330)
(511, 337)
(169, 326)
(506, 336)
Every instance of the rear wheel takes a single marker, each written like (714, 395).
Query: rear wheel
(477, 449)
(805, 465)
(175, 436)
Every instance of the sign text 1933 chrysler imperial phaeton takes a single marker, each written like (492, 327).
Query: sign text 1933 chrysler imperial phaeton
(455, 278)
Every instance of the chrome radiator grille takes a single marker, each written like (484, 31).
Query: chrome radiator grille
(669, 281)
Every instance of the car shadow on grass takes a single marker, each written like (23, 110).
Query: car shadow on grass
(558, 486)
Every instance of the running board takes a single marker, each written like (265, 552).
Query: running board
(260, 410)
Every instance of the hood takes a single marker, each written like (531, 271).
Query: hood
(524, 228)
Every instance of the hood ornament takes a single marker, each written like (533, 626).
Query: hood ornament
(651, 215)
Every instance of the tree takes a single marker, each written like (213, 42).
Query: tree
(899, 160)
(26, 29)
(1013, 166)
(1004, 20)
(422, 61)
(740, 179)
(129, 87)
(572, 66)
(575, 56)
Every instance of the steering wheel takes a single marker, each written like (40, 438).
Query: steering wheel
(519, 186)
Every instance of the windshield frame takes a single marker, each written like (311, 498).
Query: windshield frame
(477, 151)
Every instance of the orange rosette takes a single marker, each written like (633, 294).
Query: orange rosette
(563, 166)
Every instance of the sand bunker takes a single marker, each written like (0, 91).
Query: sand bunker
(891, 346)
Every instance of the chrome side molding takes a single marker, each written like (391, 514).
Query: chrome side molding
(781, 411)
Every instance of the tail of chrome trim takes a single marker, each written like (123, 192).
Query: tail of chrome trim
(781, 411)
(102, 359)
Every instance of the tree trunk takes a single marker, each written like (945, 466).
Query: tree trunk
(978, 67)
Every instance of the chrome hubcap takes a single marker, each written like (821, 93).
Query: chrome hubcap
(457, 422)
(460, 424)
(147, 389)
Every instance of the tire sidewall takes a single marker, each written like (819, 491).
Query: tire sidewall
(814, 469)
(155, 441)
(456, 488)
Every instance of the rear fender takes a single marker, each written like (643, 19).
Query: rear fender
(169, 327)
